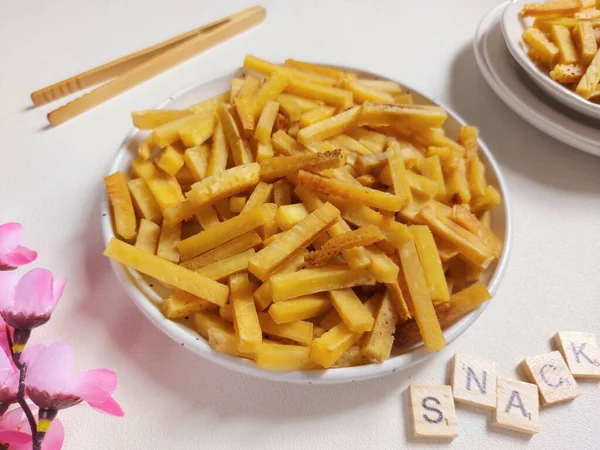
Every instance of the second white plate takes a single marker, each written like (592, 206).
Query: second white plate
(516, 89)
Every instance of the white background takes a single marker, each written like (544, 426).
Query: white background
(51, 181)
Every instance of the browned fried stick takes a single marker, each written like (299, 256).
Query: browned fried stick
(367, 235)
(281, 166)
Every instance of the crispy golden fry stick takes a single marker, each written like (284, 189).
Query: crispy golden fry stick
(260, 195)
(147, 236)
(289, 107)
(239, 148)
(366, 235)
(272, 356)
(430, 263)
(267, 68)
(226, 231)
(433, 338)
(180, 304)
(228, 183)
(237, 203)
(422, 186)
(229, 249)
(149, 119)
(365, 164)
(120, 199)
(245, 319)
(369, 138)
(567, 73)
(165, 189)
(266, 121)
(491, 198)
(292, 241)
(170, 235)
(298, 331)
(457, 186)
(145, 148)
(563, 40)
(366, 196)
(285, 144)
(196, 159)
(264, 151)
(369, 181)
(339, 98)
(378, 343)
(225, 341)
(364, 93)
(210, 105)
(377, 114)
(350, 358)
(398, 172)
(349, 144)
(204, 321)
(448, 313)
(397, 296)
(197, 131)
(542, 45)
(223, 268)
(304, 103)
(383, 269)
(301, 308)
(270, 90)
(355, 315)
(289, 215)
(554, 8)
(471, 247)
(168, 133)
(395, 233)
(217, 161)
(170, 160)
(207, 217)
(589, 81)
(143, 201)
(244, 104)
(356, 257)
(329, 127)
(585, 41)
(390, 87)
(263, 296)
(328, 348)
(324, 71)
(226, 313)
(310, 281)
(167, 272)
(469, 221)
(282, 166)
(316, 115)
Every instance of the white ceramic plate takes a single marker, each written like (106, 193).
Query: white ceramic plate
(147, 294)
(517, 90)
(513, 27)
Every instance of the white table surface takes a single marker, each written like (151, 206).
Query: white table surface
(51, 181)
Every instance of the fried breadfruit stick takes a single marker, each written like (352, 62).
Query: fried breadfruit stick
(281, 166)
(125, 222)
(366, 235)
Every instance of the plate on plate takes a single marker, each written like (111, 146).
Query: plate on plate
(513, 27)
(148, 294)
(523, 96)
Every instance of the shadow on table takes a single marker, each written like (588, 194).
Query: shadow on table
(198, 383)
(518, 146)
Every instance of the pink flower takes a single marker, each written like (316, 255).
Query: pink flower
(53, 384)
(15, 431)
(9, 375)
(12, 254)
(28, 302)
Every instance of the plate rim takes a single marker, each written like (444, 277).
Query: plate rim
(339, 375)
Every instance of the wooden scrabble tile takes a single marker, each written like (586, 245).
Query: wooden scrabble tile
(474, 381)
(581, 352)
(551, 374)
(433, 411)
(517, 406)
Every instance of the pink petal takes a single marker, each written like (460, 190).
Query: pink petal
(33, 293)
(96, 385)
(18, 257)
(8, 283)
(11, 235)
(12, 419)
(57, 288)
(52, 371)
(109, 406)
(54, 437)
(31, 353)
(15, 439)
(6, 367)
